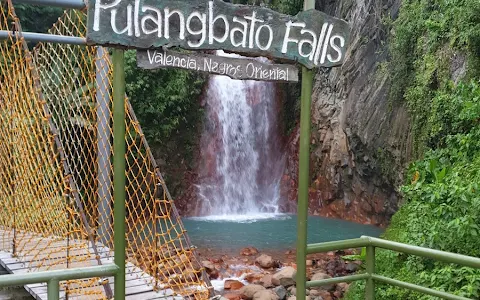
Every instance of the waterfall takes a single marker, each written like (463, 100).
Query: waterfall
(242, 160)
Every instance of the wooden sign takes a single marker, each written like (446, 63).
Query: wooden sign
(236, 68)
(311, 38)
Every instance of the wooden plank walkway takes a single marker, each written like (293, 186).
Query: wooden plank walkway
(38, 253)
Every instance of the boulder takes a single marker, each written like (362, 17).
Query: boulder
(249, 290)
(253, 277)
(285, 277)
(266, 281)
(233, 285)
(190, 275)
(265, 261)
(315, 293)
(208, 265)
(232, 296)
(352, 267)
(249, 251)
(281, 292)
(213, 274)
(293, 291)
(265, 295)
(321, 276)
(295, 298)
(324, 295)
(342, 287)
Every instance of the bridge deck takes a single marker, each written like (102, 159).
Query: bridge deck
(38, 253)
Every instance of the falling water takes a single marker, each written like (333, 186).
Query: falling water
(242, 164)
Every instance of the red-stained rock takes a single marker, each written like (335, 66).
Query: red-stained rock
(249, 251)
(233, 296)
(265, 261)
(253, 277)
(233, 285)
(214, 274)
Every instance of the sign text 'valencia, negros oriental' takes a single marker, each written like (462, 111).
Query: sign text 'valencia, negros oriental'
(311, 38)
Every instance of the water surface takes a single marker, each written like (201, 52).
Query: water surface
(269, 232)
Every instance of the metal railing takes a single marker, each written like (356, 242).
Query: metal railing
(371, 244)
(53, 278)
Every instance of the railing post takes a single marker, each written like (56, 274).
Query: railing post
(370, 286)
(304, 174)
(53, 289)
(119, 176)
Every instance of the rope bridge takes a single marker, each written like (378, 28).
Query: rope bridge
(56, 174)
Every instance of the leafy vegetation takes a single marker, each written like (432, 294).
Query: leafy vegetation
(37, 18)
(167, 106)
(441, 209)
(428, 37)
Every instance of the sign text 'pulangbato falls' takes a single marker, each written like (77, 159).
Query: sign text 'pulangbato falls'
(312, 38)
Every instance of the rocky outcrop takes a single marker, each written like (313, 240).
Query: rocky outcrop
(360, 139)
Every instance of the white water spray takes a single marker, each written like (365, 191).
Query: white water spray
(242, 163)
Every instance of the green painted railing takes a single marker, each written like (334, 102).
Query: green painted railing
(371, 244)
(53, 278)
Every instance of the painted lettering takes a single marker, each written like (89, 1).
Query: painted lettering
(212, 21)
(287, 39)
(242, 32)
(310, 38)
(181, 19)
(337, 48)
(312, 42)
(202, 31)
(155, 21)
(270, 37)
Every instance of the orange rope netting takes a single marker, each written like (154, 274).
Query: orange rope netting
(56, 173)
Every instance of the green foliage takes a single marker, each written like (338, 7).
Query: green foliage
(426, 37)
(166, 102)
(441, 207)
(442, 212)
(289, 7)
(37, 18)
(362, 256)
(453, 110)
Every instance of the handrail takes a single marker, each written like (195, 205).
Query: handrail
(417, 288)
(337, 245)
(371, 243)
(53, 278)
(43, 37)
(75, 4)
(448, 257)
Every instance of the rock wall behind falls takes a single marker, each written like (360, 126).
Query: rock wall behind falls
(360, 139)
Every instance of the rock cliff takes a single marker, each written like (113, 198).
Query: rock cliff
(360, 139)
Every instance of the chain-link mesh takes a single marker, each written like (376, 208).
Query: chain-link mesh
(56, 172)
